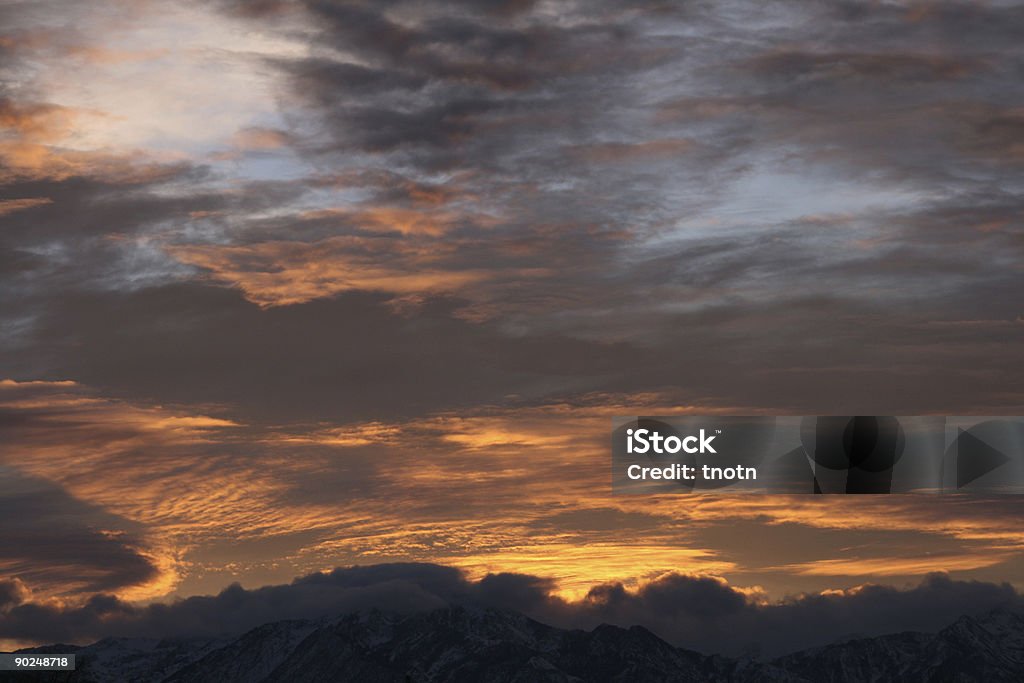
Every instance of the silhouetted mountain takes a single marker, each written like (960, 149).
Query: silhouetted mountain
(989, 648)
(466, 644)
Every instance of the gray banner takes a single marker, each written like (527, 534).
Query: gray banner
(818, 454)
(36, 662)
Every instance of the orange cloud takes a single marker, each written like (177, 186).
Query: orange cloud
(256, 138)
(31, 138)
(387, 220)
(31, 125)
(106, 56)
(576, 568)
(11, 205)
(35, 122)
(86, 445)
(898, 566)
(621, 152)
(283, 273)
(498, 488)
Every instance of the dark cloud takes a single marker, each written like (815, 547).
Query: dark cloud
(705, 613)
(498, 7)
(449, 47)
(840, 66)
(256, 9)
(57, 543)
(446, 88)
(519, 592)
(401, 588)
(598, 174)
(194, 343)
(696, 612)
(329, 83)
(12, 592)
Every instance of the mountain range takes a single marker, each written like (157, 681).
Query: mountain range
(498, 646)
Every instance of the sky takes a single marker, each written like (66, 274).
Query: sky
(350, 291)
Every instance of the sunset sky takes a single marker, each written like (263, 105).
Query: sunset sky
(291, 286)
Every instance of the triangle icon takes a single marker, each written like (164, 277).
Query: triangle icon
(975, 458)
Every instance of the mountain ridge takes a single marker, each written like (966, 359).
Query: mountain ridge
(459, 643)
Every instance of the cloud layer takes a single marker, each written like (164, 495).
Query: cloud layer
(294, 285)
(697, 612)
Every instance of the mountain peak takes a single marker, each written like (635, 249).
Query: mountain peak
(467, 643)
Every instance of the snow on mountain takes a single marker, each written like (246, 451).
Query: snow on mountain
(468, 644)
(986, 649)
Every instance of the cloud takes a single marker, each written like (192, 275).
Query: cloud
(615, 210)
(12, 205)
(283, 273)
(839, 66)
(12, 592)
(257, 138)
(447, 239)
(64, 546)
(31, 134)
(221, 337)
(710, 615)
(35, 121)
(649, 151)
(697, 612)
(64, 538)
(203, 500)
(217, 499)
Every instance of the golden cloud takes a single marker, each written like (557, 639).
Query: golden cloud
(500, 488)
(283, 273)
(11, 205)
